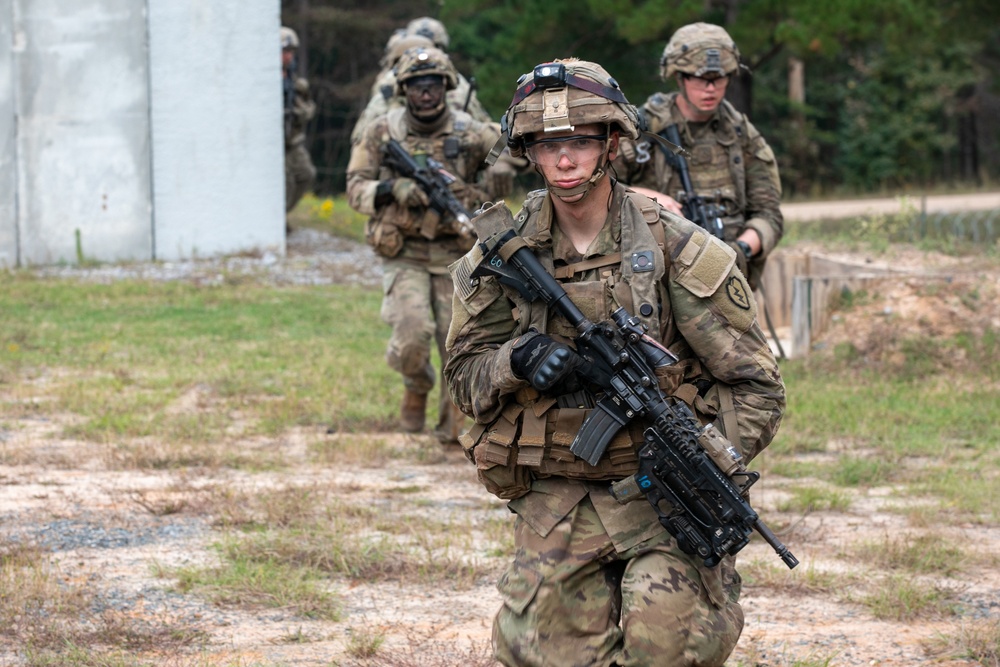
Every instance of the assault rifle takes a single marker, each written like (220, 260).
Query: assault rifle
(690, 467)
(433, 180)
(695, 208)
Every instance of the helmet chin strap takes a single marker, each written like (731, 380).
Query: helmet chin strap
(586, 186)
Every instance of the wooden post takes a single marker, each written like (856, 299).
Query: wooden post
(801, 315)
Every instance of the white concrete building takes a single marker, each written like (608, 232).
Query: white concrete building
(139, 129)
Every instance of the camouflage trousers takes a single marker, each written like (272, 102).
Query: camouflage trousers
(572, 600)
(299, 175)
(417, 305)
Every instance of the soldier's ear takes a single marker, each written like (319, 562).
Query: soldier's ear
(613, 139)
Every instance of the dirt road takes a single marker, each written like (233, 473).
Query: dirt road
(845, 208)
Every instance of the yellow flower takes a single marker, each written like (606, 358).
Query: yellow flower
(326, 208)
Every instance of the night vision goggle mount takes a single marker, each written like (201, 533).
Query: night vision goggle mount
(553, 80)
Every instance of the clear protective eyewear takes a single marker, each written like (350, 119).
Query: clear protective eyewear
(701, 83)
(579, 148)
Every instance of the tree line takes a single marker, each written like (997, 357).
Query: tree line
(855, 97)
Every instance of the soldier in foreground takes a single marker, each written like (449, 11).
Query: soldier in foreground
(424, 31)
(415, 241)
(299, 110)
(595, 582)
(732, 168)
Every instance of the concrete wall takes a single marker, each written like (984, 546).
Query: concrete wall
(81, 94)
(139, 129)
(8, 162)
(218, 148)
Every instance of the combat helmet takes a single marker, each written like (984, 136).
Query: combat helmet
(430, 28)
(562, 94)
(424, 61)
(289, 38)
(401, 42)
(698, 49)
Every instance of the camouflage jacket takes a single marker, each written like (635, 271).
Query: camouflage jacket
(460, 143)
(702, 314)
(299, 110)
(383, 97)
(731, 164)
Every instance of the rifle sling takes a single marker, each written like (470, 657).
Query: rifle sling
(727, 414)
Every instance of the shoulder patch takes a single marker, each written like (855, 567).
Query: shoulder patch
(764, 153)
(737, 292)
(474, 293)
(703, 264)
(736, 302)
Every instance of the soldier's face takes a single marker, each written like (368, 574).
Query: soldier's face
(287, 56)
(567, 159)
(705, 94)
(425, 95)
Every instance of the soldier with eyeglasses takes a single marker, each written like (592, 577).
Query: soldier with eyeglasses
(731, 165)
(594, 582)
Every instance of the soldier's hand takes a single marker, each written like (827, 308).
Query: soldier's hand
(408, 193)
(547, 365)
(499, 180)
(742, 261)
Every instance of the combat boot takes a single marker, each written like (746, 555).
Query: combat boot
(412, 414)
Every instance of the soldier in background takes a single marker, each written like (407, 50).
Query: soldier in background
(424, 31)
(594, 582)
(299, 109)
(417, 244)
(731, 165)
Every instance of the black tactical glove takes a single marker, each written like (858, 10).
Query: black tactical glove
(548, 365)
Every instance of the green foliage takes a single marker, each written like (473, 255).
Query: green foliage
(889, 85)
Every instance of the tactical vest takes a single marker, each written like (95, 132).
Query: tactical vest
(544, 427)
(450, 147)
(717, 165)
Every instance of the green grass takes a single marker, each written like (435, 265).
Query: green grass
(902, 598)
(125, 356)
(919, 554)
(262, 580)
(329, 214)
(929, 437)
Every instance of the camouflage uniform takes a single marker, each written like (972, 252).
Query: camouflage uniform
(383, 99)
(417, 245)
(730, 163)
(299, 110)
(594, 582)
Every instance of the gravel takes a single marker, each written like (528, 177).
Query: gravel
(312, 258)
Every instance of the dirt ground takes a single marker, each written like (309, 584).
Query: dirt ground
(97, 524)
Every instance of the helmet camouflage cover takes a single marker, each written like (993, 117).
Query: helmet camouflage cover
(400, 43)
(289, 40)
(430, 28)
(560, 95)
(698, 49)
(425, 61)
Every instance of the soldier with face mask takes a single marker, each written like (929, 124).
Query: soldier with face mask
(731, 165)
(594, 582)
(415, 242)
(299, 110)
